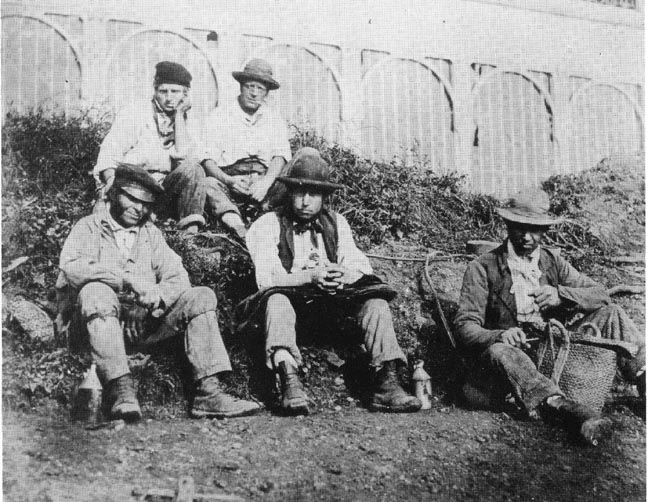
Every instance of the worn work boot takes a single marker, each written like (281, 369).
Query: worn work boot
(388, 395)
(294, 400)
(122, 399)
(211, 401)
(579, 419)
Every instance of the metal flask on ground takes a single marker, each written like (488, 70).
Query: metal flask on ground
(422, 385)
(87, 402)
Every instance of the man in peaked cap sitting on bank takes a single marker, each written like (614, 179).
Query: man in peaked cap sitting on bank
(161, 136)
(305, 257)
(120, 276)
(518, 286)
(247, 145)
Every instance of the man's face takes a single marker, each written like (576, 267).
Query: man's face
(524, 238)
(168, 96)
(127, 210)
(306, 203)
(252, 95)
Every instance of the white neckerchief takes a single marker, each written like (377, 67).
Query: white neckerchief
(125, 237)
(525, 274)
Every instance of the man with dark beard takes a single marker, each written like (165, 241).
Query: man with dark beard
(305, 257)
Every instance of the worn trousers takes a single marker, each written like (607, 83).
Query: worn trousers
(503, 369)
(193, 314)
(373, 318)
(185, 193)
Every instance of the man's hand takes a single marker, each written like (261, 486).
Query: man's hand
(546, 297)
(259, 189)
(515, 337)
(326, 279)
(148, 295)
(343, 275)
(133, 323)
(238, 185)
(184, 105)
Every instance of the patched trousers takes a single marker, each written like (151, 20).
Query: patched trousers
(193, 315)
(373, 318)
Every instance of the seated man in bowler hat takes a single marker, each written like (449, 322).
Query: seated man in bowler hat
(305, 256)
(119, 278)
(510, 291)
(161, 136)
(247, 145)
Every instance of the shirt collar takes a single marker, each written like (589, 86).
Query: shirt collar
(255, 117)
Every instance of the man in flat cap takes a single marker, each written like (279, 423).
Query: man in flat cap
(306, 261)
(247, 142)
(120, 276)
(161, 136)
(508, 293)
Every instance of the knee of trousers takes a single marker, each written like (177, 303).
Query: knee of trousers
(191, 169)
(499, 353)
(97, 299)
(374, 307)
(279, 304)
(198, 300)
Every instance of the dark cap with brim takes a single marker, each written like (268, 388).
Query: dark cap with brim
(529, 207)
(308, 169)
(137, 183)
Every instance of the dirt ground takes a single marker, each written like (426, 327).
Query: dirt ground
(341, 452)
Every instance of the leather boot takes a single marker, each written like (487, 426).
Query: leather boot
(211, 401)
(294, 400)
(388, 395)
(579, 419)
(122, 399)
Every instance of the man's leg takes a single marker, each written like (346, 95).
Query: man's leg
(207, 354)
(220, 205)
(282, 354)
(185, 188)
(100, 311)
(375, 320)
(507, 368)
(615, 324)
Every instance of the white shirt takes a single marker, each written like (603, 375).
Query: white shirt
(263, 239)
(525, 274)
(230, 134)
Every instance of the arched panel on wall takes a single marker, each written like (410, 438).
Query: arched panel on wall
(130, 69)
(514, 144)
(40, 65)
(604, 121)
(408, 111)
(310, 94)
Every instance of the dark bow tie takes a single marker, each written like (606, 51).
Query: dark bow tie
(311, 226)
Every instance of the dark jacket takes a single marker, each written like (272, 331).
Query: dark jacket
(487, 307)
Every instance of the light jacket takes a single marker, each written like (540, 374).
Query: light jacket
(91, 254)
(487, 307)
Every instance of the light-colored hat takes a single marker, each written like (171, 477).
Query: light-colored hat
(259, 70)
(309, 170)
(530, 207)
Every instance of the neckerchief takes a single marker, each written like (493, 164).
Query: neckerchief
(165, 125)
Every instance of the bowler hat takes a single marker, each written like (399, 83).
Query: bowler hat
(308, 169)
(167, 72)
(136, 182)
(259, 70)
(529, 207)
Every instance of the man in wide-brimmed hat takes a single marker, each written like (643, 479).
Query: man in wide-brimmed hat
(247, 141)
(123, 285)
(513, 290)
(161, 136)
(306, 262)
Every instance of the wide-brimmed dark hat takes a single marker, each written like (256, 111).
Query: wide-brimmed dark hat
(309, 170)
(529, 207)
(167, 72)
(137, 182)
(259, 70)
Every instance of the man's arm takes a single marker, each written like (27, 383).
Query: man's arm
(171, 275)
(121, 137)
(79, 260)
(470, 317)
(279, 154)
(260, 189)
(577, 290)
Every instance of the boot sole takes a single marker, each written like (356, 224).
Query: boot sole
(411, 408)
(221, 414)
(292, 411)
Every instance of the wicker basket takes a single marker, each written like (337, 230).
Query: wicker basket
(584, 372)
